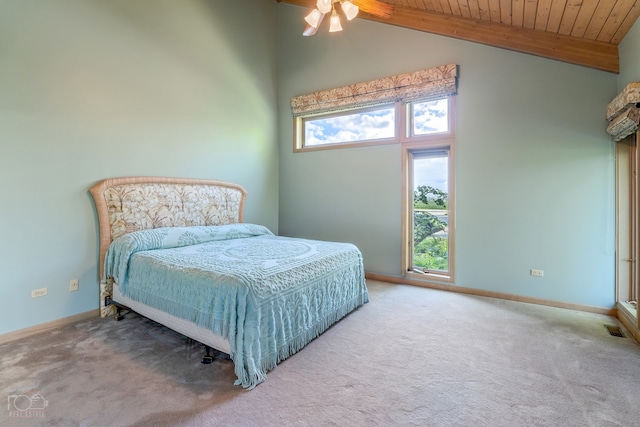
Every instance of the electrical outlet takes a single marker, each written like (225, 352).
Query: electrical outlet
(539, 273)
(38, 292)
(73, 285)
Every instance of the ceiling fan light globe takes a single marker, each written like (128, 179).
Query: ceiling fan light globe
(313, 18)
(324, 6)
(334, 23)
(350, 10)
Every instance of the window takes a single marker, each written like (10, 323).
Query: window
(429, 117)
(429, 211)
(369, 124)
(374, 125)
(428, 191)
(382, 111)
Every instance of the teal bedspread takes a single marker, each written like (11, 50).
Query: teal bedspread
(267, 295)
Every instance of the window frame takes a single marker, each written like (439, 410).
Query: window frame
(403, 127)
(410, 119)
(407, 209)
(411, 144)
(299, 129)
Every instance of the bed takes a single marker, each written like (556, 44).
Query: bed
(177, 251)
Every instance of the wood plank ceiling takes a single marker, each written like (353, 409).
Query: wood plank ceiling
(583, 32)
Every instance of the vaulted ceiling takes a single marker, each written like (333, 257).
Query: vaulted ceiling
(583, 32)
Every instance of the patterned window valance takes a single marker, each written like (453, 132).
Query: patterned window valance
(623, 112)
(427, 84)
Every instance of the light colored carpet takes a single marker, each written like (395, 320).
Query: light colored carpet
(411, 356)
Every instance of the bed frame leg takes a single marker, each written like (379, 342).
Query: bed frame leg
(118, 316)
(207, 358)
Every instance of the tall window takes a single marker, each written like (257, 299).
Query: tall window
(428, 191)
(430, 176)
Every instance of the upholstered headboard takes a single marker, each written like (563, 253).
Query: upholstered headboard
(138, 203)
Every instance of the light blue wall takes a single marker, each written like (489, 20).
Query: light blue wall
(534, 165)
(105, 88)
(629, 51)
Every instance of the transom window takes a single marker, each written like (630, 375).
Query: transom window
(384, 124)
(430, 117)
(369, 124)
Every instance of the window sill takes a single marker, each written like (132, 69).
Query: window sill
(429, 277)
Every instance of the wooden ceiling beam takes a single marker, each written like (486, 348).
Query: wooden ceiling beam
(589, 53)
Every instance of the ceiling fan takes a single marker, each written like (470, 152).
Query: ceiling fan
(350, 8)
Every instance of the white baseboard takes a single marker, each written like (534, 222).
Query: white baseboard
(43, 327)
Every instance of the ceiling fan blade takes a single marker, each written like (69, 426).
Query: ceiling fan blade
(375, 7)
(309, 30)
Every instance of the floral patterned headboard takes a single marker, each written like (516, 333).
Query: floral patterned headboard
(139, 203)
